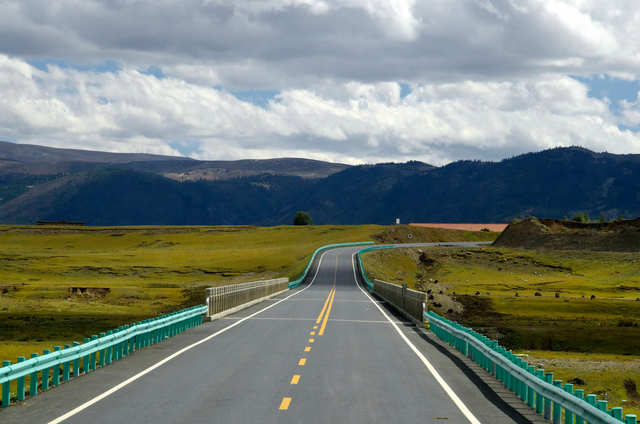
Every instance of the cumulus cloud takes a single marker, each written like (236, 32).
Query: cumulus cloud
(129, 111)
(293, 43)
(488, 78)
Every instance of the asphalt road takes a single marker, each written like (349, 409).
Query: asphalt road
(326, 352)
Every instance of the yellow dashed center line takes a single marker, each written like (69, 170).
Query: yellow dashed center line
(326, 308)
(285, 403)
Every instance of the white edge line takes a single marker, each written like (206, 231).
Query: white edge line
(153, 367)
(424, 360)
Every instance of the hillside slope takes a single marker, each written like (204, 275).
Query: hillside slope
(553, 183)
(554, 234)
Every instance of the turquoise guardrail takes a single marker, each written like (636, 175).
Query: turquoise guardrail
(94, 352)
(297, 282)
(535, 387)
(370, 249)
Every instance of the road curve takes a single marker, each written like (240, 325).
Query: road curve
(326, 352)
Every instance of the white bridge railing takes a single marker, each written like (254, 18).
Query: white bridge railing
(220, 299)
(409, 302)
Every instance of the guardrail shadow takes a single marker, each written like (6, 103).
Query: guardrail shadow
(457, 360)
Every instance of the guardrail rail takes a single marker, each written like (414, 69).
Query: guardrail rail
(535, 387)
(368, 282)
(220, 299)
(296, 283)
(62, 364)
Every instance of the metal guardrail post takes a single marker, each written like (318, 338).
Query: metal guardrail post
(45, 372)
(55, 381)
(76, 363)
(120, 350)
(103, 352)
(568, 415)
(125, 343)
(33, 380)
(66, 367)
(132, 341)
(108, 350)
(579, 393)
(20, 395)
(524, 389)
(548, 377)
(531, 393)
(616, 413)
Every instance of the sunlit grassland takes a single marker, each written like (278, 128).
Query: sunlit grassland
(513, 293)
(601, 373)
(148, 271)
(134, 273)
(598, 339)
(505, 272)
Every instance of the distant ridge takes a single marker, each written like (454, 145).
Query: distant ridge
(180, 191)
(29, 159)
(31, 153)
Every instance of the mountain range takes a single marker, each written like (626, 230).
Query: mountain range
(137, 189)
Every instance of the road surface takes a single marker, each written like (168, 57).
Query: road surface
(326, 352)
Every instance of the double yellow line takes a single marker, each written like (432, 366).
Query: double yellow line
(328, 302)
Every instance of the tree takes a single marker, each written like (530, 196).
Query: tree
(302, 218)
(603, 218)
(581, 217)
(620, 218)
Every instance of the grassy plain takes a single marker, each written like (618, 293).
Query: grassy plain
(510, 295)
(132, 273)
(59, 285)
(601, 374)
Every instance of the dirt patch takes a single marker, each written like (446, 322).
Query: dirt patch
(554, 234)
(631, 389)
(6, 288)
(88, 293)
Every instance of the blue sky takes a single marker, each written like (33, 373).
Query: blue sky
(345, 81)
(615, 89)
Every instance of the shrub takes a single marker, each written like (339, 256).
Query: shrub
(581, 217)
(302, 218)
(603, 218)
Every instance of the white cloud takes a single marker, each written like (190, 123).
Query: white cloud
(296, 43)
(128, 111)
(488, 77)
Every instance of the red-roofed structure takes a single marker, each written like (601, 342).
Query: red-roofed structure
(497, 228)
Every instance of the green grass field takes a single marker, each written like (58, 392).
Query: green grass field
(601, 374)
(598, 339)
(134, 273)
(59, 285)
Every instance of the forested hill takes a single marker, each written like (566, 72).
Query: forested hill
(552, 183)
